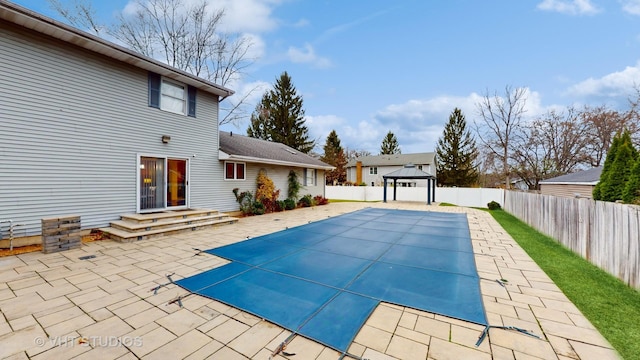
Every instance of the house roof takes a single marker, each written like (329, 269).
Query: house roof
(26, 18)
(409, 171)
(248, 149)
(586, 177)
(394, 160)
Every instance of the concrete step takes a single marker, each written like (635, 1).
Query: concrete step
(167, 215)
(165, 223)
(128, 236)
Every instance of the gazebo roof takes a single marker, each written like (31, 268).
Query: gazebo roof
(409, 171)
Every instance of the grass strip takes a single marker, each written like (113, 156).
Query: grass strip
(609, 304)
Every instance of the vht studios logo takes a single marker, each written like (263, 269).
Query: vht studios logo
(93, 341)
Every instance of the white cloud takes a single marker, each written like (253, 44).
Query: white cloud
(573, 7)
(619, 83)
(258, 47)
(240, 16)
(248, 15)
(321, 125)
(631, 6)
(307, 55)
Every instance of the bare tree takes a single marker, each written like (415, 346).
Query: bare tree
(565, 136)
(501, 118)
(530, 158)
(549, 146)
(79, 13)
(602, 124)
(185, 37)
(355, 153)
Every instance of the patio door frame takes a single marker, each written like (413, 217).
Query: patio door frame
(165, 184)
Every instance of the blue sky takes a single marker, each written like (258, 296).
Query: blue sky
(368, 67)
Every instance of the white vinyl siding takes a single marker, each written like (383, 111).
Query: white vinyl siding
(280, 177)
(72, 124)
(567, 190)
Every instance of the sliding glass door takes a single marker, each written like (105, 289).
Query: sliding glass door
(163, 183)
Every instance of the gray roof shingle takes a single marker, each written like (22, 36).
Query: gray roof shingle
(251, 149)
(586, 176)
(395, 159)
(409, 171)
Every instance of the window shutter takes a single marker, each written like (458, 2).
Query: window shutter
(315, 176)
(191, 100)
(154, 90)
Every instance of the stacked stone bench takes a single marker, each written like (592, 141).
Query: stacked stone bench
(61, 233)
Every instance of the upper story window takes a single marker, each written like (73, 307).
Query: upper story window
(373, 171)
(234, 171)
(172, 96)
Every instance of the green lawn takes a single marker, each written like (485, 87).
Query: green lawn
(611, 306)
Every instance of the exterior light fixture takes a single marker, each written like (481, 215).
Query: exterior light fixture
(166, 139)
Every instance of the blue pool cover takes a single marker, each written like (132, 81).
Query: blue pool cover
(323, 280)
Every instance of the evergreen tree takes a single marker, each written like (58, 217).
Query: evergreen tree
(334, 155)
(456, 153)
(606, 168)
(620, 171)
(280, 117)
(390, 145)
(631, 193)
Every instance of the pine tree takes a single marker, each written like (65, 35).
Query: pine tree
(456, 153)
(606, 168)
(631, 193)
(620, 171)
(390, 145)
(280, 117)
(334, 155)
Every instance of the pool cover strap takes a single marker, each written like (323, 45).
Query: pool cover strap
(485, 332)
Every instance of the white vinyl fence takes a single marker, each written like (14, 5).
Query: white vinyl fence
(472, 197)
(607, 234)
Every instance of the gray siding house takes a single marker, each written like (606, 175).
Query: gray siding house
(578, 184)
(244, 157)
(90, 128)
(372, 168)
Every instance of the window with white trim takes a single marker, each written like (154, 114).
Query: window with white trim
(172, 96)
(310, 177)
(234, 171)
(373, 171)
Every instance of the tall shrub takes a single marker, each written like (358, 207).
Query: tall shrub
(606, 169)
(266, 192)
(620, 170)
(631, 193)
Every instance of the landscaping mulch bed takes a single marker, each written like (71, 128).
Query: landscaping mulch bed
(94, 236)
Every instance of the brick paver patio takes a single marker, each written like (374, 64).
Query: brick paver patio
(57, 306)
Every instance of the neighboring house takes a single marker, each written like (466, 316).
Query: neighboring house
(519, 184)
(578, 184)
(90, 128)
(244, 157)
(370, 169)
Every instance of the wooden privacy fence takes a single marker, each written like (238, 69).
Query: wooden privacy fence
(606, 234)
